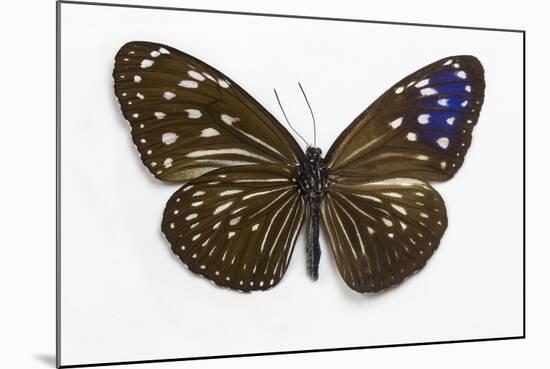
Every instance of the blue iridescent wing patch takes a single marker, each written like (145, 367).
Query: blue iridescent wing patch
(420, 128)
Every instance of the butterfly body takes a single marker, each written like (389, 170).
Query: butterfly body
(247, 187)
(313, 185)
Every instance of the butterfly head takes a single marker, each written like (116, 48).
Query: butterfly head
(313, 153)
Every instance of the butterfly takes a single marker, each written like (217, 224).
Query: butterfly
(248, 187)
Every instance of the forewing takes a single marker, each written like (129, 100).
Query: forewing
(420, 128)
(187, 118)
(382, 231)
(236, 226)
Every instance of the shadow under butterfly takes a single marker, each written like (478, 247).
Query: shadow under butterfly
(249, 187)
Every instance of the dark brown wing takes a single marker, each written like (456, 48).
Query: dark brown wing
(236, 226)
(188, 118)
(382, 231)
(420, 128)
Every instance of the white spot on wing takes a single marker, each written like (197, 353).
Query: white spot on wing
(223, 83)
(168, 162)
(193, 113)
(424, 118)
(422, 83)
(393, 194)
(209, 132)
(373, 198)
(387, 222)
(428, 91)
(223, 207)
(229, 119)
(207, 75)
(202, 153)
(230, 192)
(411, 136)
(188, 84)
(159, 115)
(146, 63)
(196, 75)
(399, 208)
(169, 95)
(169, 138)
(254, 194)
(396, 123)
(443, 142)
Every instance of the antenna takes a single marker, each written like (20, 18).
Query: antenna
(312, 116)
(287, 121)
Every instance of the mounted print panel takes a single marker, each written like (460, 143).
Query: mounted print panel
(202, 213)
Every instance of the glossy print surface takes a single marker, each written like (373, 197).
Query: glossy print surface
(247, 186)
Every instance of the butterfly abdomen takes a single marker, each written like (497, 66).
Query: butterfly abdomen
(313, 184)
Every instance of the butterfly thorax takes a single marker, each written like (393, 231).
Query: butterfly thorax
(313, 185)
(312, 175)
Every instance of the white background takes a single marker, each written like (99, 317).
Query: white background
(27, 265)
(125, 297)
